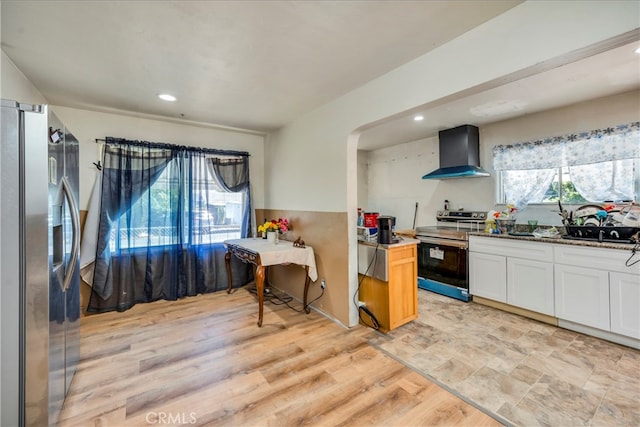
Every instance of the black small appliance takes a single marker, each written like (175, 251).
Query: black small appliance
(386, 226)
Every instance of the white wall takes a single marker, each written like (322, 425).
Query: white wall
(313, 158)
(89, 125)
(15, 86)
(363, 179)
(524, 36)
(395, 184)
(393, 175)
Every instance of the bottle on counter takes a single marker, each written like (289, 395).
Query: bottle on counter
(446, 205)
(490, 226)
(360, 218)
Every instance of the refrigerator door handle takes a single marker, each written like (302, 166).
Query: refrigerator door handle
(75, 230)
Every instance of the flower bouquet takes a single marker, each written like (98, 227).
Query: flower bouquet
(281, 225)
(507, 213)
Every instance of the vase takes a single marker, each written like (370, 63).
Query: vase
(506, 226)
(271, 237)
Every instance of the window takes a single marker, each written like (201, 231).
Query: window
(163, 211)
(216, 215)
(562, 188)
(596, 166)
(211, 214)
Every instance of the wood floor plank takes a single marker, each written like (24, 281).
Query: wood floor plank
(204, 361)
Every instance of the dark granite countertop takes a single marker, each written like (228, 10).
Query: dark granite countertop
(558, 240)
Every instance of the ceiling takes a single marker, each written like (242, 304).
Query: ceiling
(613, 71)
(257, 65)
(253, 65)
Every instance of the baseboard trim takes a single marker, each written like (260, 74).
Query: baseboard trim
(517, 310)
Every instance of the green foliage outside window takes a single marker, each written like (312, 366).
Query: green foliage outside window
(569, 193)
(163, 202)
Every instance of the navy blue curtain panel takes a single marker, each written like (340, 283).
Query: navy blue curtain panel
(165, 211)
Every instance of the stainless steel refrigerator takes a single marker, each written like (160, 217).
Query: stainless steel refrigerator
(39, 277)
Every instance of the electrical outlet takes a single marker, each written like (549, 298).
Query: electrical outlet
(361, 304)
(323, 284)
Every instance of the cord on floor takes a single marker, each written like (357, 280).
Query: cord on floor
(280, 298)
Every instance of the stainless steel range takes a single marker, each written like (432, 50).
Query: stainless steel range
(443, 252)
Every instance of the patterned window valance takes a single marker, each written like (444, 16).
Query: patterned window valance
(599, 145)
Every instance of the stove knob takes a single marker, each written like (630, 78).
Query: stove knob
(474, 215)
(445, 213)
(481, 214)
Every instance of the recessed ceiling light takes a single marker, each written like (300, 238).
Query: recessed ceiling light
(167, 97)
(418, 118)
(637, 50)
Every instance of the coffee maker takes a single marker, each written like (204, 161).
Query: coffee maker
(386, 225)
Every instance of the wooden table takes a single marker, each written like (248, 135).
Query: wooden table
(263, 254)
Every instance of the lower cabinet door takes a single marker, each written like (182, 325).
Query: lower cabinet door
(403, 291)
(530, 285)
(582, 295)
(625, 304)
(488, 276)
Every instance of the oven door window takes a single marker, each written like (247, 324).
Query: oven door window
(444, 264)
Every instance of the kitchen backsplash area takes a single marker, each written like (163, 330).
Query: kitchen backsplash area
(390, 179)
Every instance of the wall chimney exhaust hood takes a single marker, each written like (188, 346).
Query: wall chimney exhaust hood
(459, 154)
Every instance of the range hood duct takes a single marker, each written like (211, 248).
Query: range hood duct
(459, 154)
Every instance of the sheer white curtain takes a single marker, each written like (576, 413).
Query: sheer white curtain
(602, 164)
(605, 180)
(526, 186)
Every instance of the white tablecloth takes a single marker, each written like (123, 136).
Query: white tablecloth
(282, 253)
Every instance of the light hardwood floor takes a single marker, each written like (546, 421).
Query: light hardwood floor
(204, 361)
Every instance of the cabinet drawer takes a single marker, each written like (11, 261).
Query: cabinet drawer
(539, 251)
(402, 252)
(603, 259)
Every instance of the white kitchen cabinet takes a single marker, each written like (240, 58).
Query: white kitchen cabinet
(582, 295)
(625, 304)
(586, 289)
(488, 276)
(530, 285)
(516, 272)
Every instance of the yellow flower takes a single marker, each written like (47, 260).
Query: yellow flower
(281, 224)
(267, 226)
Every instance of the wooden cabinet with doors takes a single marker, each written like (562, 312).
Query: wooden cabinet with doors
(393, 301)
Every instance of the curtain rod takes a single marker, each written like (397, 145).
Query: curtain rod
(112, 140)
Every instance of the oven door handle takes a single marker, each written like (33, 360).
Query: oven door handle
(460, 244)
